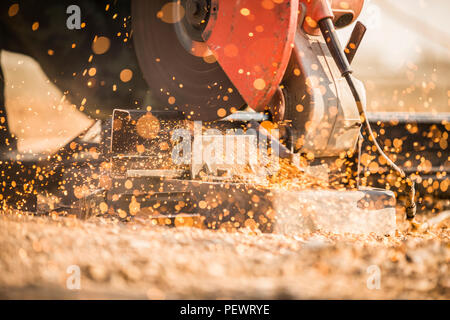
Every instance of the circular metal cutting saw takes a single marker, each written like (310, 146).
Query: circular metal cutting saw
(210, 58)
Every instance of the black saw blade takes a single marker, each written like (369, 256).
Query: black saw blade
(167, 38)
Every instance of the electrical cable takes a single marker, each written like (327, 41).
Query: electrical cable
(329, 33)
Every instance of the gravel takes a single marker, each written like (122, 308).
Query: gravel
(41, 256)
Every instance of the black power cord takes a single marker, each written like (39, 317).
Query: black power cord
(329, 33)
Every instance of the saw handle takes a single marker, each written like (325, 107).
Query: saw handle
(329, 33)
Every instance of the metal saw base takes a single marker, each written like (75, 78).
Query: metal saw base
(219, 205)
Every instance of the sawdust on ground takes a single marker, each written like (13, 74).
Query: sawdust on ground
(138, 260)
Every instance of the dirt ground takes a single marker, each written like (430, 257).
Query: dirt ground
(40, 256)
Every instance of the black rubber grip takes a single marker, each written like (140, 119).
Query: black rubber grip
(329, 33)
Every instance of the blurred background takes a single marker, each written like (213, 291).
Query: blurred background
(404, 62)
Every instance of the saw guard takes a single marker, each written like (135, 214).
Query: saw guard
(252, 41)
